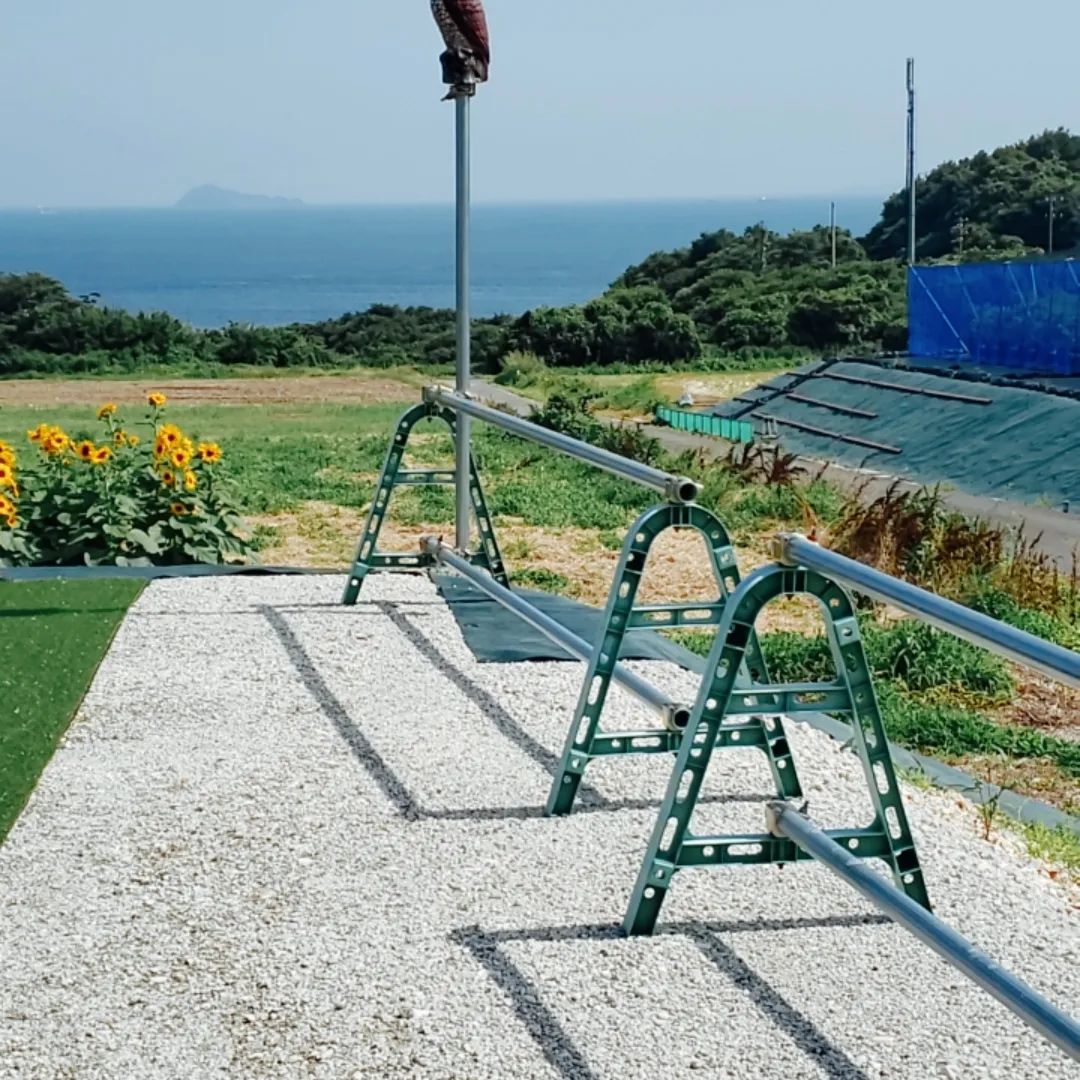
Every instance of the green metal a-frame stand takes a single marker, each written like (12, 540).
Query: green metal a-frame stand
(721, 706)
(368, 557)
(585, 741)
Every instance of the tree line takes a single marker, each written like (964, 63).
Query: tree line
(726, 294)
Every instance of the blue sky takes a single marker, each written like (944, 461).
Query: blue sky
(131, 102)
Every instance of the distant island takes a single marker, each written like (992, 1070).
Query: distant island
(210, 197)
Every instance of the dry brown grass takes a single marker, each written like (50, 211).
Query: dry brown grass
(355, 388)
(325, 536)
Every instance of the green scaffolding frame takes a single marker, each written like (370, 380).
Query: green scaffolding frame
(368, 557)
(721, 706)
(585, 741)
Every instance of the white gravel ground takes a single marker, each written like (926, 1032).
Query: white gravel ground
(289, 839)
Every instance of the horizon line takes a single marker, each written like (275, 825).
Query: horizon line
(442, 203)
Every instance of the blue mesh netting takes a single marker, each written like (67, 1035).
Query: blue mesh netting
(1011, 315)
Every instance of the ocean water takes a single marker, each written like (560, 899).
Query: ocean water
(280, 266)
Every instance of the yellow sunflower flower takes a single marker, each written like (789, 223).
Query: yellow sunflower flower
(181, 458)
(56, 442)
(209, 453)
(168, 478)
(133, 440)
(120, 437)
(12, 521)
(101, 455)
(106, 410)
(178, 509)
(161, 448)
(85, 450)
(39, 434)
(7, 476)
(191, 481)
(7, 507)
(157, 400)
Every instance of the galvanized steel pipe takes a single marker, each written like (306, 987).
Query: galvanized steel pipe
(1052, 660)
(674, 715)
(676, 489)
(785, 820)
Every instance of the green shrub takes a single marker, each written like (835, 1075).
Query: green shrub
(923, 658)
(938, 728)
(521, 369)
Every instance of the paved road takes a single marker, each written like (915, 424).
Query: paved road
(1058, 533)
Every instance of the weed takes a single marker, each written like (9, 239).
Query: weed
(1058, 845)
(517, 549)
(611, 540)
(542, 579)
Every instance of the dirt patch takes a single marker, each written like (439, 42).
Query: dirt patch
(1034, 778)
(1042, 703)
(354, 389)
(325, 536)
(712, 388)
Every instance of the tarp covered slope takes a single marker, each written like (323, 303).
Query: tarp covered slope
(1023, 445)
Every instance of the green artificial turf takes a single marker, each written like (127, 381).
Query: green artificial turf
(53, 635)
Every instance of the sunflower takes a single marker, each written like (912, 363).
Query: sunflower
(56, 442)
(120, 437)
(133, 440)
(168, 478)
(106, 410)
(7, 507)
(178, 509)
(12, 521)
(7, 476)
(171, 434)
(39, 434)
(181, 458)
(85, 449)
(191, 481)
(210, 453)
(160, 447)
(157, 400)
(101, 455)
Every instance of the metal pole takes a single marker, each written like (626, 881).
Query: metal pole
(911, 161)
(832, 231)
(1017, 996)
(1058, 663)
(1050, 241)
(674, 715)
(677, 489)
(464, 358)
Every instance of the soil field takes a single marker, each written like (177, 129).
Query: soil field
(357, 388)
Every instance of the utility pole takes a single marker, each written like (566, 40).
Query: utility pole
(1050, 240)
(832, 231)
(911, 161)
(465, 64)
(764, 246)
(462, 100)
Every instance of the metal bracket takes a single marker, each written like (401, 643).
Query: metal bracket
(368, 557)
(585, 741)
(673, 846)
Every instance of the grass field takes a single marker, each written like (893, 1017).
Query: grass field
(53, 635)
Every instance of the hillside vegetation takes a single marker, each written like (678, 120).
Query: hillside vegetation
(725, 297)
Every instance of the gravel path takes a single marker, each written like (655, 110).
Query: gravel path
(288, 839)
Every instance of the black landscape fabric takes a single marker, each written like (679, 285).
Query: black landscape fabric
(497, 636)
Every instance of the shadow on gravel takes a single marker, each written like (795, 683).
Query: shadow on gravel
(391, 785)
(570, 1061)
